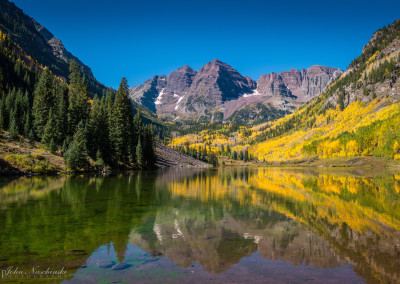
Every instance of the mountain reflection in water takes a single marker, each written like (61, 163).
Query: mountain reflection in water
(191, 225)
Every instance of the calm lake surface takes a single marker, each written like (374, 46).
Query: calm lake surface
(227, 225)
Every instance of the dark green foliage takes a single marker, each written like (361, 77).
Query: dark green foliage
(40, 107)
(76, 155)
(148, 147)
(50, 131)
(234, 155)
(64, 148)
(78, 108)
(13, 130)
(341, 97)
(258, 113)
(140, 153)
(213, 160)
(61, 114)
(44, 100)
(99, 159)
(311, 148)
(121, 128)
(53, 146)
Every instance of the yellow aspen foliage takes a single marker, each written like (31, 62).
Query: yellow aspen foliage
(329, 149)
(352, 148)
(396, 147)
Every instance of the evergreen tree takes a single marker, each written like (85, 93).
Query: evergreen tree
(234, 155)
(246, 155)
(341, 97)
(1, 116)
(138, 121)
(98, 130)
(64, 148)
(148, 148)
(50, 131)
(28, 123)
(76, 156)
(213, 160)
(139, 153)
(78, 108)
(43, 101)
(61, 114)
(4, 113)
(121, 124)
(13, 130)
(53, 146)
(99, 159)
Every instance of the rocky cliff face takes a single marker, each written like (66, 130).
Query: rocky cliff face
(300, 86)
(214, 84)
(40, 43)
(58, 48)
(218, 92)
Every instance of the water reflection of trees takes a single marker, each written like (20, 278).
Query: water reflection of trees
(215, 217)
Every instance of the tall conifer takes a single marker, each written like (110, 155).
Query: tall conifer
(43, 101)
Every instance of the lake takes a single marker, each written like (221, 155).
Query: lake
(226, 225)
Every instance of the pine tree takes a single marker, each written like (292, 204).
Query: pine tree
(1, 116)
(43, 101)
(64, 148)
(61, 115)
(28, 123)
(234, 155)
(149, 153)
(76, 156)
(121, 124)
(50, 131)
(138, 121)
(139, 153)
(78, 108)
(98, 130)
(341, 97)
(246, 155)
(53, 146)
(13, 130)
(99, 159)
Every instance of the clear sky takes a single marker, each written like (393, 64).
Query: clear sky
(139, 39)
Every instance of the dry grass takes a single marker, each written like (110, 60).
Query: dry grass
(26, 157)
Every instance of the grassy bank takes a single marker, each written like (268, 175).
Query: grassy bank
(25, 157)
(357, 162)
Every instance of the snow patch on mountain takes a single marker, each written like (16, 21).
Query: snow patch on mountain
(158, 99)
(177, 103)
(255, 93)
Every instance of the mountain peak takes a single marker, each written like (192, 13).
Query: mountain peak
(218, 63)
(186, 68)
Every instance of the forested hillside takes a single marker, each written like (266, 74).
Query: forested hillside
(358, 115)
(39, 43)
(61, 118)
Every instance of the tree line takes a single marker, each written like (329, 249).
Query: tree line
(66, 120)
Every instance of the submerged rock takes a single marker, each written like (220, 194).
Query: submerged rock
(121, 266)
(105, 263)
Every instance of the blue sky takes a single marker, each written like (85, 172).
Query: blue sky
(138, 39)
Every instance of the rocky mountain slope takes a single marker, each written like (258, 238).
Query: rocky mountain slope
(40, 43)
(170, 158)
(357, 116)
(217, 92)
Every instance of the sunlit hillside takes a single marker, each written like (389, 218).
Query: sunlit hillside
(358, 115)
